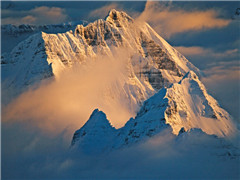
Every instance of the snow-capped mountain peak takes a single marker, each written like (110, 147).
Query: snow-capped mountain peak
(151, 64)
(192, 107)
(97, 120)
(181, 107)
(95, 135)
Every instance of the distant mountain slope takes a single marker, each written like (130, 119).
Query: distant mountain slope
(11, 35)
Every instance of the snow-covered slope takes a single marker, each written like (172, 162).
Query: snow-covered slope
(28, 62)
(181, 107)
(97, 124)
(11, 35)
(24, 66)
(192, 107)
(151, 62)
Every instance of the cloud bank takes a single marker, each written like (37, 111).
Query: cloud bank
(34, 155)
(67, 103)
(168, 22)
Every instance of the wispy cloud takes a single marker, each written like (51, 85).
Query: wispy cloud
(223, 71)
(201, 51)
(168, 22)
(205, 58)
(38, 15)
(67, 103)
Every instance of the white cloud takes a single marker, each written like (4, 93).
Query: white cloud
(68, 102)
(192, 51)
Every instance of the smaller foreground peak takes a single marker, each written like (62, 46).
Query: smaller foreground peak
(98, 115)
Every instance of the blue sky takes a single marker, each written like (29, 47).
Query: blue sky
(202, 31)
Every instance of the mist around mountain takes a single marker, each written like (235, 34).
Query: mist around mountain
(150, 114)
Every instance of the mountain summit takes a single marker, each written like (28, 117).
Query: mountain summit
(96, 134)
